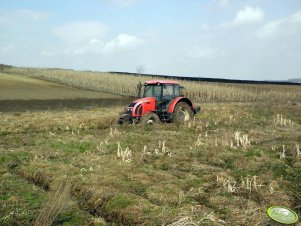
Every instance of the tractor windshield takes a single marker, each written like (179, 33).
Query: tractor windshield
(153, 91)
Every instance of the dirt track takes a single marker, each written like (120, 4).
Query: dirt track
(32, 105)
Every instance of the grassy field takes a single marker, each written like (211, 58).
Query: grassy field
(19, 93)
(77, 167)
(17, 87)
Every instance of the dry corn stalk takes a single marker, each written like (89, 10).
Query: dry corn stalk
(231, 186)
(125, 155)
(162, 149)
(242, 140)
(282, 121)
(100, 147)
(298, 150)
(113, 132)
(282, 155)
(250, 184)
(181, 197)
(199, 141)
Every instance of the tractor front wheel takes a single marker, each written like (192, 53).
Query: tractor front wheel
(182, 113)
(150, 118)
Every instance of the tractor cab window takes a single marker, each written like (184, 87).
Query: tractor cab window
(153, 91)
(177, 90)
(147, 91)
(168, 92)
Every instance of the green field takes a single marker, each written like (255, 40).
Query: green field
(18, 93)
(67, 165)
(17, 87)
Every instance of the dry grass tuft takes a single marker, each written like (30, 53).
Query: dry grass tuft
(57, 200)
(188, 221)
(184, 221)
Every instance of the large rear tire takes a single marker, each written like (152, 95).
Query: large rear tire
(150, 118)
(182, 113)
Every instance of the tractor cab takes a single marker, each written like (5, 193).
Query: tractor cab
(161, 100)
(163, 91)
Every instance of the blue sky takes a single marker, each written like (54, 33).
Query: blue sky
(257, 39)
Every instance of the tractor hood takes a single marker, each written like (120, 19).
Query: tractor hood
(138, 108)
(145, 100)
(141, 106)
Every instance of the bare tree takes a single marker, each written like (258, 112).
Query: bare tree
(140, 69)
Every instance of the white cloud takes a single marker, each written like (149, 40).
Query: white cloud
(81, 32)
(122, 42)
(248, 15)
(93, 46)
(295, 18)
(89, 37)
(282, 27)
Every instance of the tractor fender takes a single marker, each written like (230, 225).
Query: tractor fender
(174, 102)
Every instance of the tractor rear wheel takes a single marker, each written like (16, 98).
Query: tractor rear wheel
(182, 113)
(150, 118)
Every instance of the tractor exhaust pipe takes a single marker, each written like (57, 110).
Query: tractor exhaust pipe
(139, 87)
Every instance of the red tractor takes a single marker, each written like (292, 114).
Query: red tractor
(162, 101)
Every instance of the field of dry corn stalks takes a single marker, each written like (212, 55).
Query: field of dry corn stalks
(77, 167)
(198, 91)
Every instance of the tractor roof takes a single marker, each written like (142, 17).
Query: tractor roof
(153, 82)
